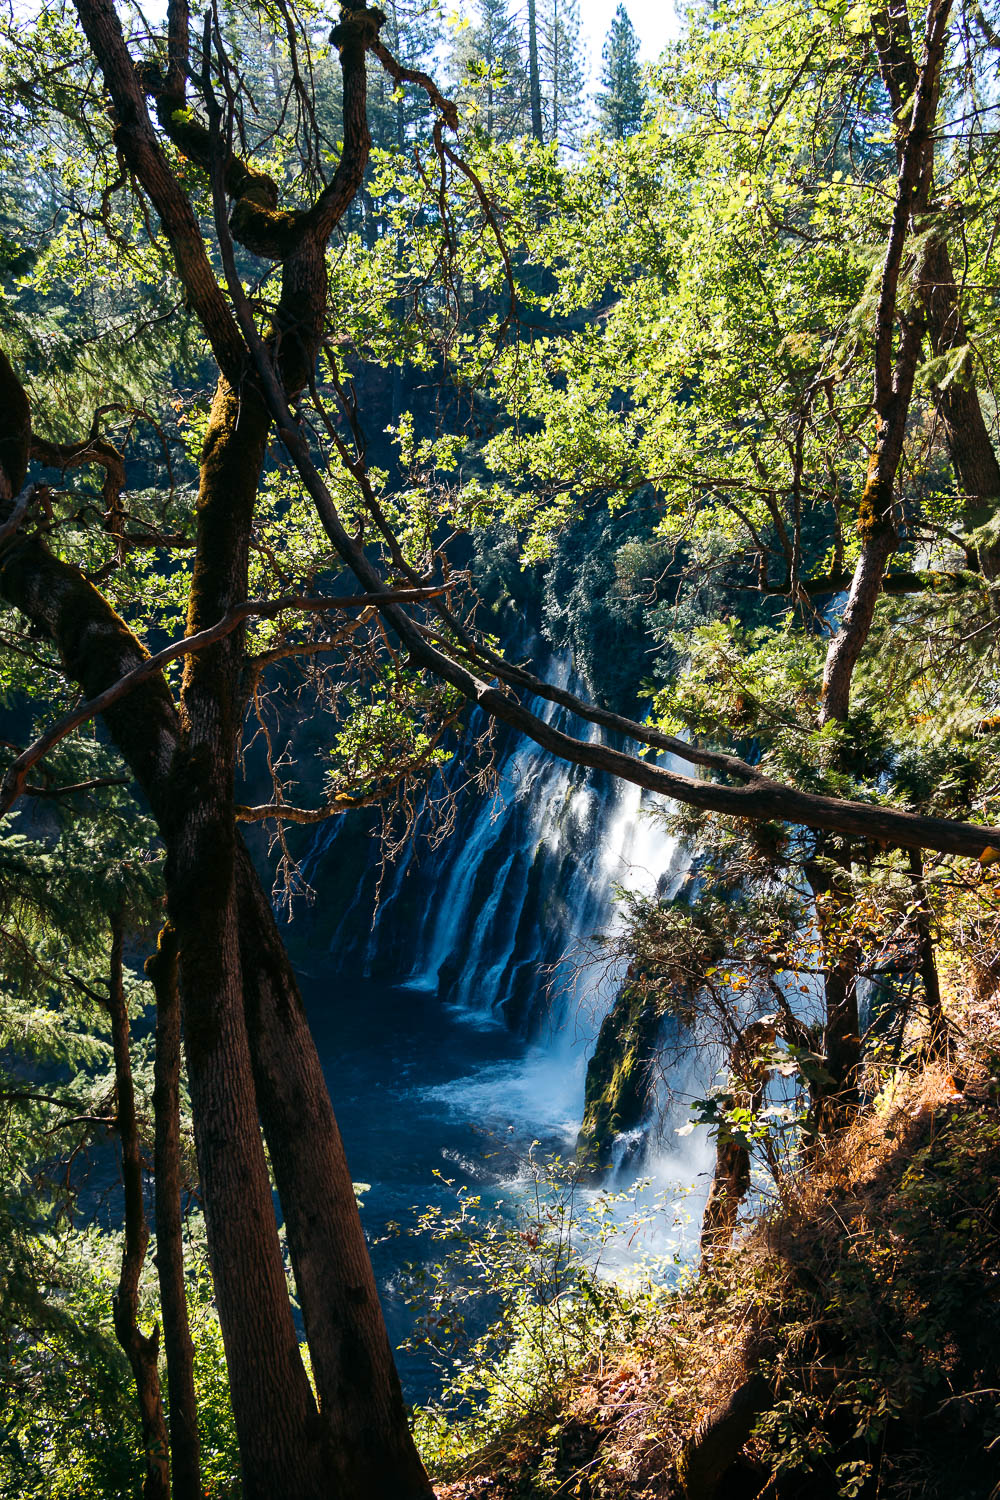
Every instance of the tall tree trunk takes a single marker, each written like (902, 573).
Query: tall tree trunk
(894, 373)
(361, 1403)
(534, 81)
(185, 1468)
(937, 1030)
(973, 456)
(97, 650)
(835, 1099)
(141, 1349)
(969, 444)
(281, 1444)
(368, 1451)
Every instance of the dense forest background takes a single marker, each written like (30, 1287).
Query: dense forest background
(351, 365)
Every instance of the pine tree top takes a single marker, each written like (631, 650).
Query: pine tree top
(622, 98)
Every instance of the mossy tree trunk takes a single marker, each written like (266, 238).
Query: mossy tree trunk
(277, 1421)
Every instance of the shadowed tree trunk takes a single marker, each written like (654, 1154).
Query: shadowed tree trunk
(719, 1436)
(361, 1402)
(937, 1029)
(141, 1349)
(973, 456)
(835, 1099)
(185, 1471)
(277, 1422)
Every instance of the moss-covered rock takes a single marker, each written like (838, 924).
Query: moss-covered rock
(619, 1074)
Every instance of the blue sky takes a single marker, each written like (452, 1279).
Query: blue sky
(654, 20)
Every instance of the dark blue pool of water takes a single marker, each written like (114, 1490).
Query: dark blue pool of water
(420, 1090)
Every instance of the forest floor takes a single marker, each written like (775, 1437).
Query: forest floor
(848, 1346)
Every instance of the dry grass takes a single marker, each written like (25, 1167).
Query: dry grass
(868, 1298)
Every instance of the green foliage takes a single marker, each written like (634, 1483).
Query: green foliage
(647, 371)
(520, 1298)
(394, 727)
(67, 1399)
(69, 1420)
(622, 98)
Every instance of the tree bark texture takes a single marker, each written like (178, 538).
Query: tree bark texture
(141, 1349)
(973, 456)
(361, 1401)
(717, 1440)
(937, 1029)
(971, 449)
(184, 763)
(835, 1099)
(276, 1417)
(894, 373)
(185, 1467)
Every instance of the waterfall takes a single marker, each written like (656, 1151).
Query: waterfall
(494, 918)
(457, 1012)
(501, 920)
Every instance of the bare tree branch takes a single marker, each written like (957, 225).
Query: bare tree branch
(14, 781)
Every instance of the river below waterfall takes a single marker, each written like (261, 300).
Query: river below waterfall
(420, 1091)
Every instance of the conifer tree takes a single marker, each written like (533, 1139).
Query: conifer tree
(534, 82)
(561, 70)
(623, 95)
(489, 56)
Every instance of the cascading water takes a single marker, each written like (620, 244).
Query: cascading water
(461, 1015)
(498, 920)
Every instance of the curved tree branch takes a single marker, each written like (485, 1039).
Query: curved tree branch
(760, 798)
